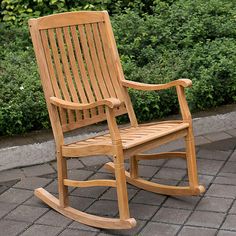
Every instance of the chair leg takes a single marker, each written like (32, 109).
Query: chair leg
(62, 174)
(61, 205)
(191, 161)
(133, 167)
(121, 185)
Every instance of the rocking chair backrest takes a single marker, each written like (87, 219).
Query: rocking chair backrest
(78, 62)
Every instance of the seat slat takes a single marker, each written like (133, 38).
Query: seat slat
(132, 136)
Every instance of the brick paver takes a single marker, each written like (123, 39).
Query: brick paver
(213, 213)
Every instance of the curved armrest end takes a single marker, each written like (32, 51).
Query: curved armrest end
(110, 102)
(185, 82)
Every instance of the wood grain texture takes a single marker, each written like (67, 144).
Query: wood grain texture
(84, 84)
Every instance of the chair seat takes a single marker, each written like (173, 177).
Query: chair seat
(131, 136)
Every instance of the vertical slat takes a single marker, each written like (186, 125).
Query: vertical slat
(102, 61)
(81, 65)
(58, 65)
(56, 89)
(90, 68)
(68, 78)
(74, 69)
(60, 74)
(95, 61)
(110, 60)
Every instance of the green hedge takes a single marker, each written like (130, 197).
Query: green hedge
(158, 41)
(22, 105)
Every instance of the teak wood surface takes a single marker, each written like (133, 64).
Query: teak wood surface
(84, 84)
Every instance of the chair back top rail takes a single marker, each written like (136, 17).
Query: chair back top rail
(69, 19)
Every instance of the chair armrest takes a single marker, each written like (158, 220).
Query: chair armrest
(110, 102)
(142, 86)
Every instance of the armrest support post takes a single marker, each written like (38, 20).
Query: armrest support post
(112, 125)
(184, 109)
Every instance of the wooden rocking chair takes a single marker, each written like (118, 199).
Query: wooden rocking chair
(84, 84)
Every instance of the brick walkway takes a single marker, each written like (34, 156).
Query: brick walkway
(213, 213)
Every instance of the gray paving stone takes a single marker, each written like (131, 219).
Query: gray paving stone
(6, 207)
(12, 228)
(230, 167)
(105, 234)
(72, 232)
(165, 181)
(229, 222)
(199, 140)
(11, 175)
(142, 211)
(159, 229)
(53, 187)
(213, 154)
(54, 218)
(187, 203)
(217, 190)
(111, 194)
(214, 204)
(147, 171)
(79, 226)
(79, 174)
(206, 219)
(157, 162)
(176, 163)
(226, 233)
(230, 175)
(80, 203)
(3, 189)
(15, 195)
(127, 232)
(233, 208)
(32, 183)
(233, 156)
(226, 180)
(145, 197)
(104, 208)
(196, 231)
(72, 163)
(223, 145)
(34, 201)
(42, 230)
(95, 160)
(217, 136)
(171, 215)
(38, 170)
(92, 192)
(209, 167)
(170, 173)
(204, 180)
(102, 175)
(26, 213)
(231, 132)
